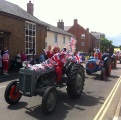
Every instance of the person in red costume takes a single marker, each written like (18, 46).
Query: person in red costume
(49, 52)
(98, 54)
(95, 54)
(59, 58)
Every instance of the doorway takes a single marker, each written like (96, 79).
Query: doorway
(2, 43)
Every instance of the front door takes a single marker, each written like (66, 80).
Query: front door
(2, 43)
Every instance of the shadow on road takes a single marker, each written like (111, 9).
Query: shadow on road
(64, 106)
(98, 77)
(18, 106)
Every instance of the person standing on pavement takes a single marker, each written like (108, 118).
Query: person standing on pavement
(5, 59)
(23, 56)
(0, 62)
(18, 61)
(42, 58)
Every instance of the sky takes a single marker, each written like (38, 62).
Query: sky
(98, 15)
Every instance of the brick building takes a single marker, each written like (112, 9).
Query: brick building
(85, 41)
(19, 30)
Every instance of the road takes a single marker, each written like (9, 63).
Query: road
(98, 101)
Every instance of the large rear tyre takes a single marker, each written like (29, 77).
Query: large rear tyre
(103, 74)
(12, 94)
(75, 81)
(108, 68)
(49, 100)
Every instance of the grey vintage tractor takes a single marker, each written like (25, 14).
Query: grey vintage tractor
(40, 79)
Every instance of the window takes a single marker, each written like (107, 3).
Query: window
(69, 39)
(64, 40)
(30, 38)
(82, 36)
(83, 43)
(55, 38)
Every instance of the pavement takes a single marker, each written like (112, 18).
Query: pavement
(13, 76)
(117, 115)
(10, 76)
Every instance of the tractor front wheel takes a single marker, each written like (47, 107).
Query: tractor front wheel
(49, 100)
(12, 94)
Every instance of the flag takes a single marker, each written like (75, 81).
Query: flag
(72, 43)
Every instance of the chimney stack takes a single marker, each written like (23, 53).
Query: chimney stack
(87, 29)
(60, 24)
(30, 8)
(75, 21)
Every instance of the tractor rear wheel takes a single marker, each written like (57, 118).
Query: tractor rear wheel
(103, 74)
(75, 81)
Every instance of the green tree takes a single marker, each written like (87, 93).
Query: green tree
(106, 44)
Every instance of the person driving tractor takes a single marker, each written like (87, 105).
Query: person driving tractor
(59, 58)
(97, 54)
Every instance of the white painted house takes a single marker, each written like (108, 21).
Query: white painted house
(58, 36)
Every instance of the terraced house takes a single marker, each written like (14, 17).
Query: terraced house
(59, 37)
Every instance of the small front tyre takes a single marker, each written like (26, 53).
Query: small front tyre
(49, 100)
(88, 72)
(12, 94)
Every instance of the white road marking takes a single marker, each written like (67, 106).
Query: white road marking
(108, 101)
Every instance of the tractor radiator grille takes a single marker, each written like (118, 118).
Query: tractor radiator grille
(25, 82)
(91, 65)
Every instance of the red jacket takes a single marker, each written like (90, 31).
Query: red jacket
(49, 54)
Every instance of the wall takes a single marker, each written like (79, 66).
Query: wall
(77, 30)
(16, 27)
(50, 40)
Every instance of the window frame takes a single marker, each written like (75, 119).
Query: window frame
(82, 43)
(82, 37)
(64, 39)
(30, 37)
(55, 38)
